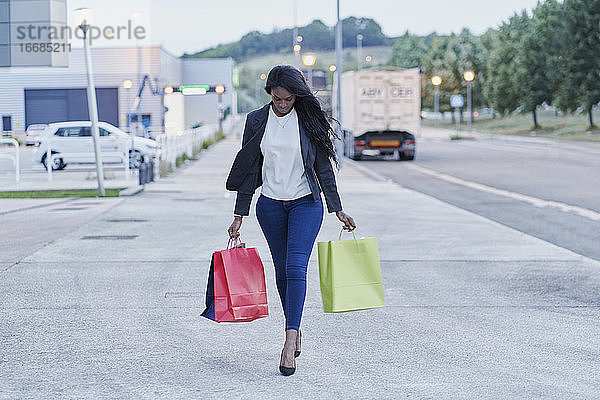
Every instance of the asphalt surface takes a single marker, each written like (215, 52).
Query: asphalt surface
(474, 309)
(541, 169)
(30, 224)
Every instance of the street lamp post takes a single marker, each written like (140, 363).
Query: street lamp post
(128, 84)
(469, 76)
(436, 81)
(84, 18)
(338, 81)
(309, 61)
(332, 68)
(359, 39)
(257, 88)
(295, 33)
(297, 49)
(220, 89)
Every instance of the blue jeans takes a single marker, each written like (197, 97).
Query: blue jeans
(290, 228)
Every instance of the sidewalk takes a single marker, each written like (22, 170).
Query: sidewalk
(474, 309)
(114, 178)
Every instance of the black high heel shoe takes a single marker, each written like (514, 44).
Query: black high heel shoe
(298, 344)
(286, 371)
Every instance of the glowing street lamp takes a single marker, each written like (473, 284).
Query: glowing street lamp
(436, 81)
(309, 61)
(469, 76)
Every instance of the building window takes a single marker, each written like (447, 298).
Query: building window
(6, 123)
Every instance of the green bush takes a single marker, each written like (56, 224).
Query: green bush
(13, 137)
(182, 159)
(165, 168)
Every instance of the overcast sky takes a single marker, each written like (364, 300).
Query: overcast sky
(193, 25)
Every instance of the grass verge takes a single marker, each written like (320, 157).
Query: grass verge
(53, 194)
(566, 126)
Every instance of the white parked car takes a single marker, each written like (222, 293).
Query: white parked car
(71, 143)
(33, 132)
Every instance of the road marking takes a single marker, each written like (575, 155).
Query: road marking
(510, 147)
(583, 212)
(4, 212)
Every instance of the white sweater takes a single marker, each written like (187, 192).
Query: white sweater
(283, 172)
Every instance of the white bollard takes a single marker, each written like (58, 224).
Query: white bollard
(15, 159)
(49, 160)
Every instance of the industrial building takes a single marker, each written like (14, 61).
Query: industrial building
(33, 95)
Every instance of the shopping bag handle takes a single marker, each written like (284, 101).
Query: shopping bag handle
(342, 231)
(235, 241)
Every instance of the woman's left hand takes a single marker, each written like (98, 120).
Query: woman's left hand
(347, 220)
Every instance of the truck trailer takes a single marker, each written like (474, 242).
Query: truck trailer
(381, 112)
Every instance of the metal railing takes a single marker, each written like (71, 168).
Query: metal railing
(50, 157)
(15, 158)
(186, 142)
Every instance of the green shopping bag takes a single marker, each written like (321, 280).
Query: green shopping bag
(350, 275)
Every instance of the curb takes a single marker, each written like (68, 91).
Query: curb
(131, 191)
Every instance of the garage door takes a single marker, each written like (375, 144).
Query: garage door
(44, 106)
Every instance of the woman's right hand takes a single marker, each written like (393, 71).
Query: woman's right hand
(234, 228)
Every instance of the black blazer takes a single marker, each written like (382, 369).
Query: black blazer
(246, 172)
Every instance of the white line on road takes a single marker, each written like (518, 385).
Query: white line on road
(584, 212)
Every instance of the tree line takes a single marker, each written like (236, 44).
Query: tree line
(316, 36)
(550, 56)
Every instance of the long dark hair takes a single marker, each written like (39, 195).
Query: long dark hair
(310, 114)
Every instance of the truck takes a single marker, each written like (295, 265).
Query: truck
(381, 112)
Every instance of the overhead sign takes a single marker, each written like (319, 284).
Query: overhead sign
(456, 100)
(190, 90)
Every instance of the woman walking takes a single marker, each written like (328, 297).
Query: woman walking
(287, 149)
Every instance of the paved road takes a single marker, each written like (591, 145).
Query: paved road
(475, 310)
(28, 225)
(547, 189)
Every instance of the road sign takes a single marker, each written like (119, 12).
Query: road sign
(456, 100)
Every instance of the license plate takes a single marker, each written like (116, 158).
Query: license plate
(385, 143)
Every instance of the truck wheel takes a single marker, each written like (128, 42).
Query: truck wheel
(356, 157)
(404, 157)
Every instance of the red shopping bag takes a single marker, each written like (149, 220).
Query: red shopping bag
(236, 290)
